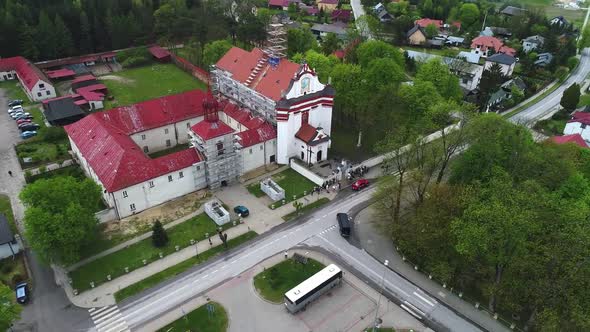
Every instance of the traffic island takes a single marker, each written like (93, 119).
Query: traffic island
(274, 282)
(210, 317)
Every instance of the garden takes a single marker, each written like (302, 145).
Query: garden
(294, 184)
(210, 317)
(274, 282)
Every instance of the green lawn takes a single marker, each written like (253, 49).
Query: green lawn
(551, 127)
(162, 153)
(584, 100)
(344, 143)
(306, 208)
(133, 256)
(200, 320)
(72, 170)
(255, 190)
(149, 82)
(6, 210)
(450, 52)
(159, 277)
(274, 282)
(292, 182)
(14, 91)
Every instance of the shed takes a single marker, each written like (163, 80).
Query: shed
(8, 244)
(160, 54)
(62, 111)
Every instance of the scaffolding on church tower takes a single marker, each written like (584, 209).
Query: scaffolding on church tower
(276, 42)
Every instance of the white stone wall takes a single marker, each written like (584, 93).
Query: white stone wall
(156, 191)
(183, 127)
(305, 156)
(257, 155)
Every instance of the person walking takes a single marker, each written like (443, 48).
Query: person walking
(10, 173)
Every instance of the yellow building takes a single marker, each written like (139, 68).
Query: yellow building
(416, 36)
(327, 5)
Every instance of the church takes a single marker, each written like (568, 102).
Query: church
(259, 110)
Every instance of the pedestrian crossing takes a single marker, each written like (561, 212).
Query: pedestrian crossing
(331, 228)
(108, 319)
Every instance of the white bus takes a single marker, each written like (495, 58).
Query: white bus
(312, 288)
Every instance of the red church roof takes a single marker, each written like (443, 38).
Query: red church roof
(574, 138)
(268, 81)
(159, 52)
(424, 22)
(26, 71)
(103, 139)
(211, 129)
(258, 135)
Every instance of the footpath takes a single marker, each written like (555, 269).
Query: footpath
(260, 220)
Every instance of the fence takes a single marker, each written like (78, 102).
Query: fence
(311, 176)
(106, 215)
(188, 67)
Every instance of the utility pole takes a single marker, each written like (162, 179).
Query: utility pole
(385, 264)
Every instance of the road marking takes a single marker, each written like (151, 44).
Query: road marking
(234, 261)
(214, 271)
(410, 311)
(108, 319)
(424, 299)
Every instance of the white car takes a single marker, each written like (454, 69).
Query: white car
(15, 109)
(16, 115)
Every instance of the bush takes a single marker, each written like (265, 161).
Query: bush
(16, 279)
(6, 269)
(159, 236)
(135, 61)
(572, 62)
(53, 134)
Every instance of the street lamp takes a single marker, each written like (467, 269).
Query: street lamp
(385, 264)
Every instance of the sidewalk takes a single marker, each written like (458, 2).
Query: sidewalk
(382, 248)
(261, 219)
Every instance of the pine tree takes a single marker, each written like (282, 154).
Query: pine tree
(64, 45)
(28, 48)
(159, 236)
(571, 97)
(45, 37)
(85, 34)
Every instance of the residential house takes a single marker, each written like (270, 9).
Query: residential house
(570, 139)
(327, 5)
(501, 32)
(282, 4)
(485, 46)
(9, 246)
(310, 10)
(454, 41)
(341, 15)
(435, 43)
(543, 59)
(513, 11)
(469, 57)
(559, 20)
(416, 36)
(33, 81)
(506, 62)
(321, 30)
(532, 43)
(425, 22)
(384, 16)
(62, 111)
(579, 124)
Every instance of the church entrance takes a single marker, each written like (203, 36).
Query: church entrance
(319, 154)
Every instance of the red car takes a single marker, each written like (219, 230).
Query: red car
(360, 184)
(22, 121)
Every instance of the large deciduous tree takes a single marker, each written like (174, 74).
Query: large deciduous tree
(469, 15)
(571, 97)
(9, 310)
(439, 74)
(215, 50)
(59, 219)
(300, 41)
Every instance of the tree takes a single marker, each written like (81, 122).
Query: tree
(300, 41)
(28, 45)
(159, 236)
(330, 43)
(469, 15)
(85, 34)
(490, 82)
(9, 310)
(571, 97)
(431, 31)
(383, 72)
(64, 45)
(439, 74)
(59, 219)
(215, 50)
(46, 37)
(374, 49)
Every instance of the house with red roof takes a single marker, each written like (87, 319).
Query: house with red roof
(424, 22)
(288, 95)
(327, 5)
(113, 148)
(33, 81)
(571, 139)
(488, 45)
(579, 124)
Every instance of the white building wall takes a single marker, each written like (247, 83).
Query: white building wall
(321, 116)
(90, 173)
(257, 155)
(155, 139)
(182, 128)
(577, 128)
(41, 91)
(302, 148)
(156, 191)
(7, 75)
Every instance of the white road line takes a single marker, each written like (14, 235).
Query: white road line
(424, 299)
(97, 311)
(122, 326)
(107, 313)
(234, 261)
(214, 271)
(116, 318)
(403, 306)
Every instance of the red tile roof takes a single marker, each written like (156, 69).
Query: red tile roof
(581, 117)
(83, 78)
(340, 54)
(485, 42)
(330, 2)
(60, 73)
(281, 3)
(159, 52)
(254, 136)
(26, 71)
(424, 22)
(103, 139)
(269, 81)
(306, 133)
(574, 138)
(341, 14)
(211, 129)
(242, 116)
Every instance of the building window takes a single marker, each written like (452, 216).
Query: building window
(47, 92)
(151, 184)
(41, 86)
(38, 94)
(188, 136)
(145, 149)
(188, 124)
(198, 168)
(180, 175)
(142, 137)
(250, 151)
(261, 147)
(169, 178)
(124, 193)
(583, 126)
(132, 207)
(166, 131)
(168, 142)
(274, 143)
(219, 149)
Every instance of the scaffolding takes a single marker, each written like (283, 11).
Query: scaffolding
(276, 41)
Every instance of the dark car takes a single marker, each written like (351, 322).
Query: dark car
(29, 127)
(15, 102)
(242, 210)
(22, 293)
(360, 184)
(344, 224)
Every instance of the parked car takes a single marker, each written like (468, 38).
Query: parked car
(28, 134)
(15, 109)
(22, 293)
(26, 117)
(23, 120)
(16, 115)
(15, 102)
(360, 184)
(22, 116)
(30, 127)
(344, 224)
(242, 210)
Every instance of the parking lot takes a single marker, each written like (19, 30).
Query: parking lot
(9, 133)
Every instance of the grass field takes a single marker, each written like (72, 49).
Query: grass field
(180, 267)
(14, 91)
(292, 182)
(6, 210)
(306, 208)
(133, 256)
(274, 282)
(149, 82)
(200, 320)
(584, 100)
(162, 153)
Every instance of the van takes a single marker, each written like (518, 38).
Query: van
(344, 224)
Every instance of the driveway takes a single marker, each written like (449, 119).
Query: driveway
(49, 309)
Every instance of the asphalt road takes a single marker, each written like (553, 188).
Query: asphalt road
(551, 102)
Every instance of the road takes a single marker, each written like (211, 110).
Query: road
(358, 11)
(317, 230)
(551, 102)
